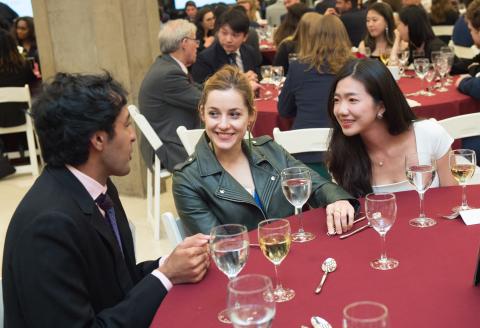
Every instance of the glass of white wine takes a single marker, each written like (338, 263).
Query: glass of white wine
(250, 301)
(275, 240)
(462, 165)
(297, 186)
(420, 169)
(229, 244)
(381, 212)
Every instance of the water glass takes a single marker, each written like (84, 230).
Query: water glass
(462, 165)
(277, 75)
(266, 72)
(441, 66)
(381, 212)
(250, 301)
(403, 56)
(365, 314)
(421, 68)
(430, 77)
(420, 169)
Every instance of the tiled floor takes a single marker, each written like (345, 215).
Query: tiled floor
(13, 188)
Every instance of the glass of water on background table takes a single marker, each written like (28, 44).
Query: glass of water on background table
(250, 301)
(229, 244)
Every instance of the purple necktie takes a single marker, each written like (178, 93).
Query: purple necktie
(105, 203)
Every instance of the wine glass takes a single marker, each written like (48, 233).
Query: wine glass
(449, 53)
(420, 169)
(266, 72)
(277, 75)
(229, 245)
(275, 239)
(297, 186)
(421, 68)
(381, 212)
(462, 165)
(441, 65)
(434, 55)
(403, 56)
(250, 301)
(365, 314)
(429, 77)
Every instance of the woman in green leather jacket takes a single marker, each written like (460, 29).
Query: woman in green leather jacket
(232, 180)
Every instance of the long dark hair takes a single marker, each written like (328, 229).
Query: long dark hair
(289, 24)
(347, 157)
(199, 19)
(11, 61)
(384, 10)
(419, 29)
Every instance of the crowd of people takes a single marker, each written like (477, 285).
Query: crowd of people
(69, 258)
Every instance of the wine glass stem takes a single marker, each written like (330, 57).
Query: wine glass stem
(383, 254)
(298, 211)
(464, 196)
(421, 195)
(277, 278)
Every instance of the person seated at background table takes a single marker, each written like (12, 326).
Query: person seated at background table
(299, 40)
(26, 38)
(305, 93)
(289, 24)
(190, 11)
(443, 13)
(251, 10)
(69, 257)
(233, 26)
(374, 128)
(252, 36)
(205, 22)
(232, 180)
(168, 97)
(461, 35)
(352, 17)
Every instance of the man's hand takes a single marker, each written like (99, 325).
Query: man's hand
(330, 11)
(188, 262)
(340, 217)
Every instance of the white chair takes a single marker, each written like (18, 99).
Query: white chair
(303, 140)
(174, 228)
(153, 196)
(189, 138)
(464, 126)
(465, 52)
(22, 95)
(443, 30)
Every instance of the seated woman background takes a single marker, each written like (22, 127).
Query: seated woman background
(205, 22)
(374, 129)
(232, 180)
(305, 93)
(289, 23)
(443, 13)
(299, 40)
(26, 38)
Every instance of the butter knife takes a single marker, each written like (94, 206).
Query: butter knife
(355, 231)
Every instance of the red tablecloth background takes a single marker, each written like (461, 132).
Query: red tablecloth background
(432, 287)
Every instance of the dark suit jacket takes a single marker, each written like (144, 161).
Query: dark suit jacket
(62, 266)
(215, 57)
(354, 21)
(168, 99)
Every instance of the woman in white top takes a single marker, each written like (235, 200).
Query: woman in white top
(374, 129)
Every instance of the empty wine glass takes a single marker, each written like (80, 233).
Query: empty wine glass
(365, 314)
(421, 68)
(441, 65)
(277, 75)
(250, 301)
(403, 56)
(462, 165)
(420, 169)
(430, 77)
(275, 240)
(229, 244)
(266, 72)
(297, 186)
(449, 53)
(381, 212)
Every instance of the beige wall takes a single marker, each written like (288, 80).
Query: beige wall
(87, 36)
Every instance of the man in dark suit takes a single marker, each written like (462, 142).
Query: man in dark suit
(229, 48)
(69, 259)
(168, 96)
(352, 17)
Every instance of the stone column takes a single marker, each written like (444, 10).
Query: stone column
(88, 36)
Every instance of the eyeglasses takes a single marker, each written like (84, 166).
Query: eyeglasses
(194, 40)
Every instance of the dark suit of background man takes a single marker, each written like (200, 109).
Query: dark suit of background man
(168, 96)
(69, 262)
(353, 18)
(229, 48)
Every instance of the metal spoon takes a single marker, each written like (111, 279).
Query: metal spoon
(318, 322)
(329, 265)
(452, 216)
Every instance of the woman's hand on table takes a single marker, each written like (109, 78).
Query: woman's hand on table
(340, 215)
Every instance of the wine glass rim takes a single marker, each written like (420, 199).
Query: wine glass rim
(257, 276)
(462, 151)
(382, 316)
(387, 196)
(243, 229)
(264, 224)
(301, 169)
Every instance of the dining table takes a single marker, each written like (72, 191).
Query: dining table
(440, 106)
(433, 286)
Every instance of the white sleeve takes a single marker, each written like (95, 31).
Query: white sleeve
(436, 137)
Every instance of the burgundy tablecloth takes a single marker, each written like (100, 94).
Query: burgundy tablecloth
(432, 287)
(441, 106)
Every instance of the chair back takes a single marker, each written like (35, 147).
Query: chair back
(147, 130)
(442, 30)
(174, 228)
(462, 126)
(303, 140)
(465, 52)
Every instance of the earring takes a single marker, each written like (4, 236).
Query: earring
(379, 115)
(386, 30)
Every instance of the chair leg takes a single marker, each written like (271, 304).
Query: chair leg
(156, 200)
(32, 152)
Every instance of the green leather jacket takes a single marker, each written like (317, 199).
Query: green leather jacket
(206, 195)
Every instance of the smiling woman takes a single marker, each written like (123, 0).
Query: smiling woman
(232, 180)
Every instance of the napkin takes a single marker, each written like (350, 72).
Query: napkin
(412, 103)
(471, 216)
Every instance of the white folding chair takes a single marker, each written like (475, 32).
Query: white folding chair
(465, 52)
(464, 126)
(22, 95)
(153, 196)
(174, 228)
(443, 30)
(303, 140)
(189, 138)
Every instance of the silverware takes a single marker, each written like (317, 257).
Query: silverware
(368, 225)
(452, 216)
(318, 322)
(329, 265)
(411, 94)
(354, 221)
